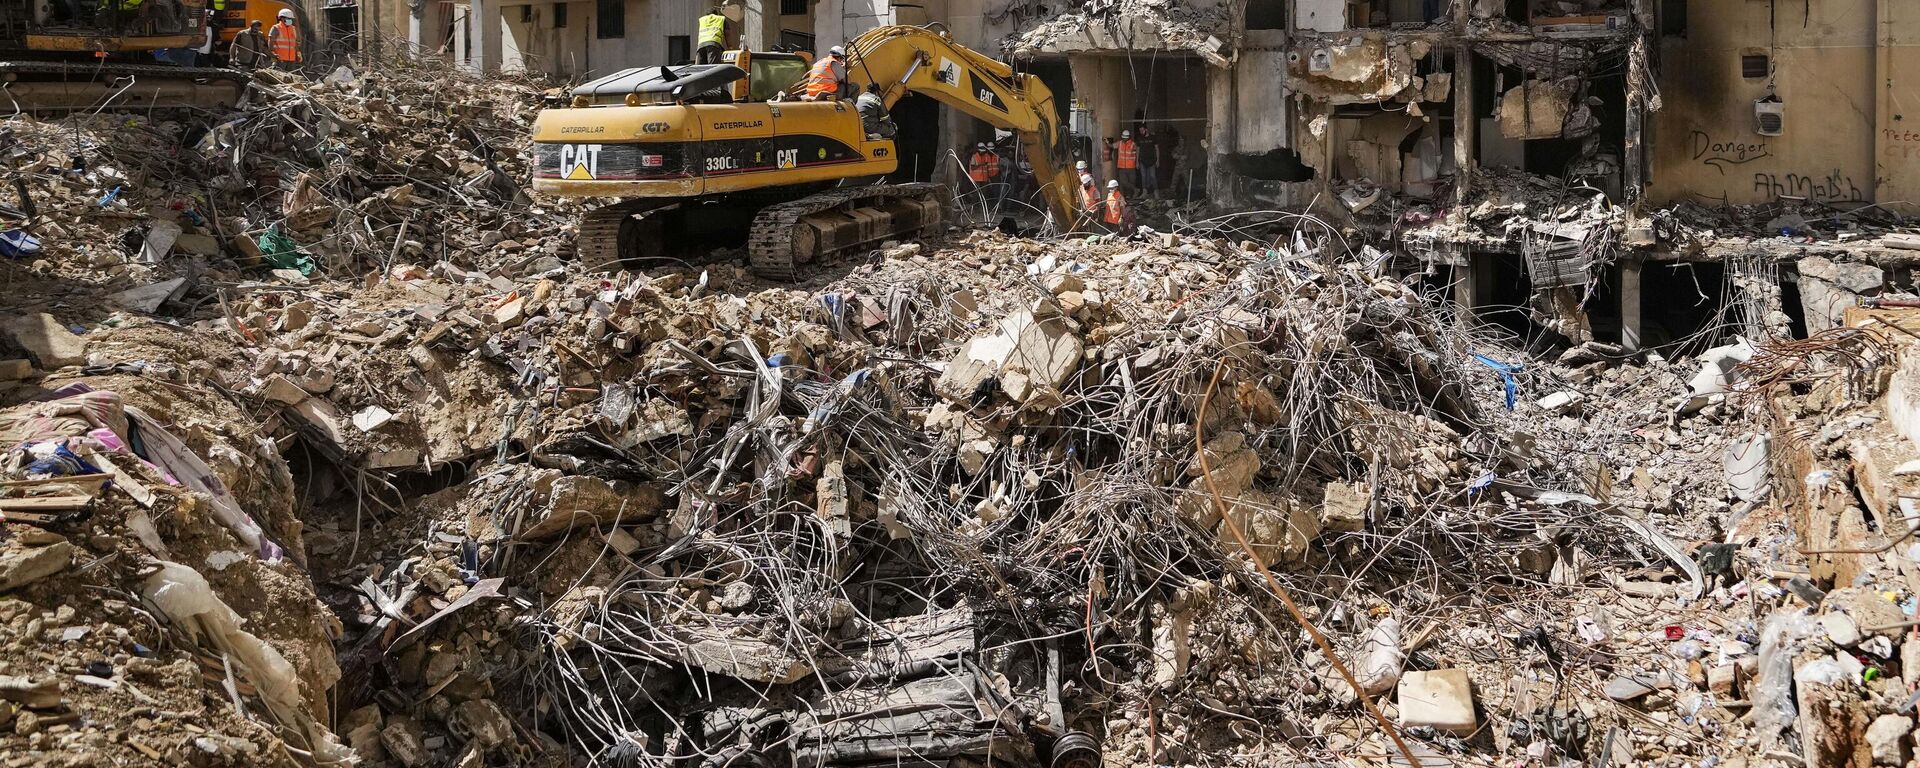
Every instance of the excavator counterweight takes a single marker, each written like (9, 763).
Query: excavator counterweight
(719, 147)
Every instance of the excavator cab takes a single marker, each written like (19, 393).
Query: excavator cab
(769, 74)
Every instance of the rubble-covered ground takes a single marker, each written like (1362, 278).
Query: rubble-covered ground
(321, 449)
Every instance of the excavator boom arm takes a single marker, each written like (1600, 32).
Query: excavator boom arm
(908, 59)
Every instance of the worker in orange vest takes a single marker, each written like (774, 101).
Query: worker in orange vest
(1126, 157)
(1089, 194)
(284, 39)
(982, 166)
(828, 76)
(1117, 214)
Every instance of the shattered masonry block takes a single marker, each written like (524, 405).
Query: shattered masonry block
(1441, 699)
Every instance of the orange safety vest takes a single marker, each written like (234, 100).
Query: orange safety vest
(820, 80)
(1129, 154)
(1115, 206)
(1089, 195)
(983, 167)
(286, 42)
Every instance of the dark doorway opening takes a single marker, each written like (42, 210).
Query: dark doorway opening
(1685, 306)
(918, 140)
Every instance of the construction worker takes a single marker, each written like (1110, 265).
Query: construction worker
(983, 166)
(1089, 193)
(713, 36)
(249, 49)
(1149, 161)
(828, 77)
(1117, 214)
(1126, 157)
(284, 41)
(873, 113)
(203, 53)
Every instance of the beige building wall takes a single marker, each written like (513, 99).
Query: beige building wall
(538, 41)
(1841, 143)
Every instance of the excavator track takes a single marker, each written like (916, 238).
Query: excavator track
(605, 231)
(41, 86)
(788, 235)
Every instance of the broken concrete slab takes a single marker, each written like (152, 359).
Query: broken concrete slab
(1025, 354)
(1344, 508)
(1828, 288)
(48, 341)
(1887, 738)
(1440, 699)
(23, 567)
(149, 297)
(580, 500)
(43, 693)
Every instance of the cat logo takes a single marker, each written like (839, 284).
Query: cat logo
(580, 162)
(948, 73)
(786, 158)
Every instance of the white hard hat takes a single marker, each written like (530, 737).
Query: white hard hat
(982, 146)
(1113, 183)
(285, 13)
(1080, 166)
(1126, 134)
(836, 51)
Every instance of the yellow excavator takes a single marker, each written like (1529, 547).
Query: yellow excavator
(714, 147)
(63, 55)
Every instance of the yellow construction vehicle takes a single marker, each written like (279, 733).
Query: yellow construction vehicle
(58, 55)
(700, 149)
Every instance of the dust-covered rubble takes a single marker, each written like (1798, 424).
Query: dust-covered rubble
(374, 480)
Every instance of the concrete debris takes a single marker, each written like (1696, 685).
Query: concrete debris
(294, 443)
(50, 343)
(1441, 699)
(20, 567)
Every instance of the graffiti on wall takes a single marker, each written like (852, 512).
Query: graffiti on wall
(1835, 187)
(1721, 154)
(1900, 144)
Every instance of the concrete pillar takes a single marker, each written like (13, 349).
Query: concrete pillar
(1466, 119)
(415, 28)
(760, 24)
(1222, 138)
(1630, 304)
(484, 34)
(1472, 283)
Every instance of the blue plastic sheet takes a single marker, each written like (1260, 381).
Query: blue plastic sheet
(1506, 371)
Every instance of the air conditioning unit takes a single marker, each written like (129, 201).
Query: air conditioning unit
(1769, 115)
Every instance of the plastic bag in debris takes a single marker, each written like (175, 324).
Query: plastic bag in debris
(1379, 665)
(1507, 381)
(182, 595)
(342, 77)
(17, 244)
(283, 253)
(1774, 712)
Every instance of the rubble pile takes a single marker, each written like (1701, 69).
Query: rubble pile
(452, 498)
(726, 507)
(348, 173)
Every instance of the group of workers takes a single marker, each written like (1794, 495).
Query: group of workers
(1140, 163)
(1145, 164)
(278, 47)
(1113, 209)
